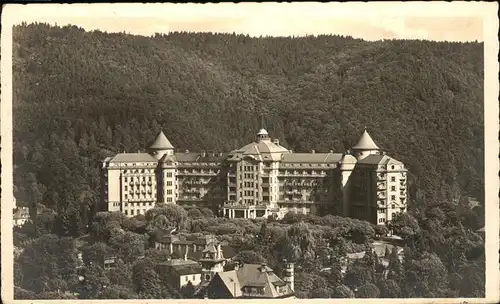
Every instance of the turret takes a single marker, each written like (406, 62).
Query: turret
(161, 146)
(365, 146)
(262, 135)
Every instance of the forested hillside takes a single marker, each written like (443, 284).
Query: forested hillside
(80, 96)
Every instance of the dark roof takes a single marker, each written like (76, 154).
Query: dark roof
(228, 252)
(187, 269)
(373, 159)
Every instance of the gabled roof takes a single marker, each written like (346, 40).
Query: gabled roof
(366, 143)
(256, 275)
(133, 158)
(252, 275)
(230, 279)
(161, 142)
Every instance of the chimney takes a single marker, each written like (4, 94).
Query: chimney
(313, 151)
(331, 151)
(289, 275)
(219, 251)
(263, 267)
(186, 254)
(187, 151)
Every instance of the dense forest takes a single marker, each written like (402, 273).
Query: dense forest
(81, 96)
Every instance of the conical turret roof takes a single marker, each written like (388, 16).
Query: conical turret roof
(161, 142)
(366, 143)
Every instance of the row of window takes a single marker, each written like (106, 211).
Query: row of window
(193, 278)
(138, 195)
(139, 171)
(138, 203)
(135, 212)
(303, 172)
(137, 178)
(249, 184)
(308, 165)
(140, 187)
(248, 193)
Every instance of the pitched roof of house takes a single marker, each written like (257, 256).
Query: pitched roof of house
(182, 267)
(187, 269)
(366, 143)
(21, 213)
(161, 142)
(253, 275)
(230, 279)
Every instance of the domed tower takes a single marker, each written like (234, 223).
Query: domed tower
(161, 146)
(365, 146)
(262, 135)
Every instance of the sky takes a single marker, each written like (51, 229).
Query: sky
(370, 21)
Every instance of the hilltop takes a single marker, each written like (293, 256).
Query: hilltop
(80, 96)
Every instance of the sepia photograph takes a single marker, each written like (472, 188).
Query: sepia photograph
(250, 151)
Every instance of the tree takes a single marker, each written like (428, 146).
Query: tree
(147, 283)
(404, 225)
(95, 253)
(117, 292)
(307, 285)
(166, 216)
(249, 257)
(428, 276)
(207, 212)
(342, 291)
(390, 289)
(195, 213)
(187, 291)
(368, 291)
(94, 281)
(128, 245)
(48, 257)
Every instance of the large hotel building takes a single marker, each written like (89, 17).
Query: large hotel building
(258, 180)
